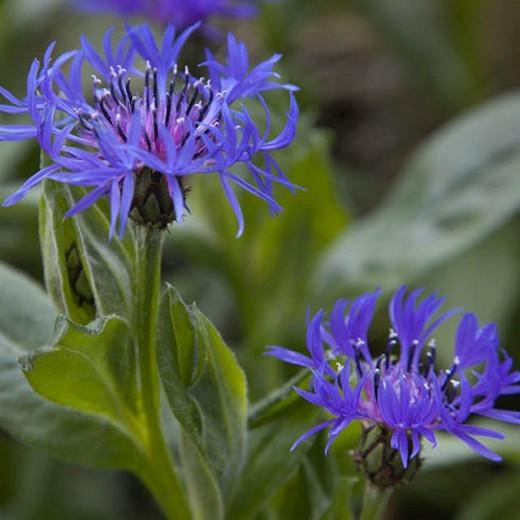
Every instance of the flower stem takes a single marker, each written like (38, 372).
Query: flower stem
(161, 476)
(374, 502)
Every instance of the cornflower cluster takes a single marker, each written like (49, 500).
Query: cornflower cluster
(404, 394)
(147, 124)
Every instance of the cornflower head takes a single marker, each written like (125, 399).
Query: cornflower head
(181, 13)
(401, 396)
(147, 124)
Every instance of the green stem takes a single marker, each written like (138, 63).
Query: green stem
(375, 501)
(161, 476)
(263, 407)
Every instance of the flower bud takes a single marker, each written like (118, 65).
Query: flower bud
(152, 203)
(79, 284)
(380, 463)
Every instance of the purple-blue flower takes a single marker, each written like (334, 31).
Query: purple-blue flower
(147, 117)
(181, 13)
(402, 391)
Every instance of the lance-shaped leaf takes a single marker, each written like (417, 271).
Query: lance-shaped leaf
(270, 464)
(27, 322)
(206, 390)
(205, 495)
(85, 273)
(445, 202)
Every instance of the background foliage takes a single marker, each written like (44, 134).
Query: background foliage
(409, 150)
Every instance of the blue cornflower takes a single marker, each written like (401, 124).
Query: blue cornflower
(147, 125)
(181, 13)
(404, 394)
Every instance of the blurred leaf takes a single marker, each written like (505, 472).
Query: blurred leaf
(85, 273)
(416, 30)
(464, 21)
(18, 224)
(26, 314)
(206, 389)
(445, 202)
(339, 508)
(277, 399)
(496, 499)
(27, 323)
(19, 243)
(484, 279)
(45, 488)
(12, 157)
(451, 450)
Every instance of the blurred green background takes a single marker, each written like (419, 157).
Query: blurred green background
(409, 149)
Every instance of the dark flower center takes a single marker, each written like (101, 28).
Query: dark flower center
(181, 108)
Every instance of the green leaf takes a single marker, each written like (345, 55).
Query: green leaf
(269, 462)
(205, 496)
(206, 390)
(445, 202)
(60, 431)
(85, 273)
(91, 369)
(26, 322)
